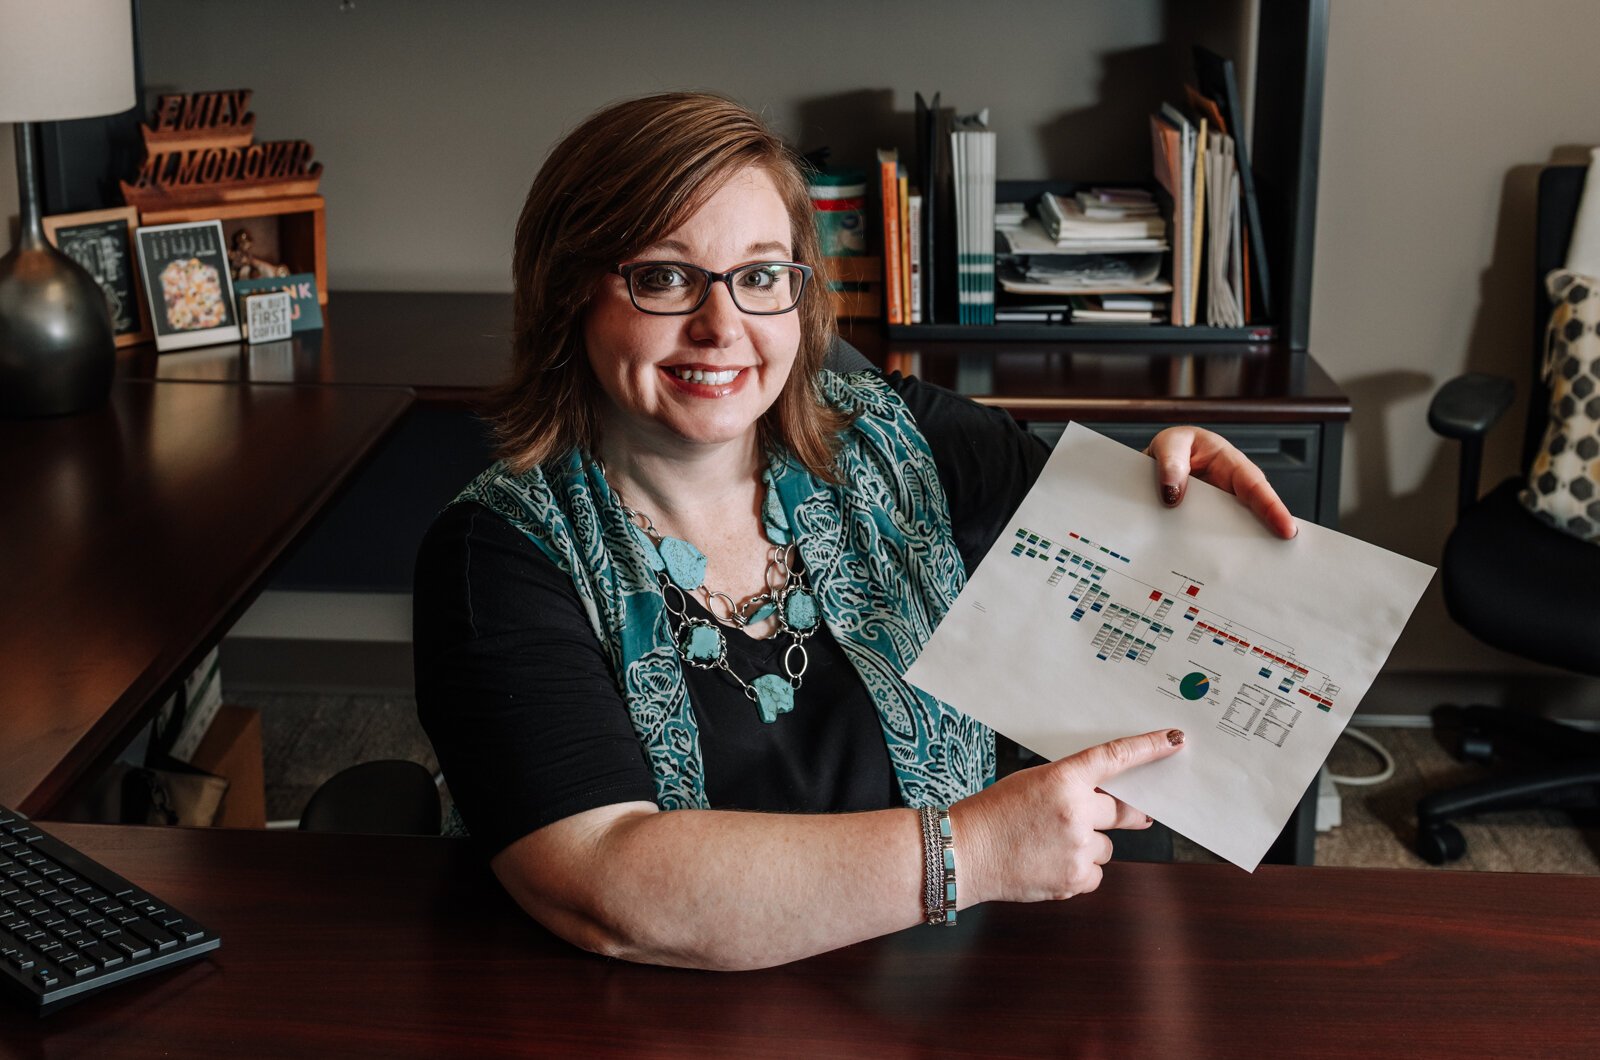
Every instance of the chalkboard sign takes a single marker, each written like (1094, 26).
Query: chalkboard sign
(102, 242)
(185, 268)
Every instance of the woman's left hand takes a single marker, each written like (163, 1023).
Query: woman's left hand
(1183, 451)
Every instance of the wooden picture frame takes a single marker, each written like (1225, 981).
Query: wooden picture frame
(187, 284)
(102, 242)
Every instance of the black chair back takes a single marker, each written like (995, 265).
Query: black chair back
(1560, 190)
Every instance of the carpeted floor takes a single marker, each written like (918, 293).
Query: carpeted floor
(308, 738)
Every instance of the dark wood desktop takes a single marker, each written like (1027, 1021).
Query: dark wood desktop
(135, 535)
(386, 946)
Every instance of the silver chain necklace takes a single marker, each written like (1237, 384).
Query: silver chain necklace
(680, 569)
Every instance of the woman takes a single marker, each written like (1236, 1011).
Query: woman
(582, 667)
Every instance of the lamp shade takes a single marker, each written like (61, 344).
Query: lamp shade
(62, 59)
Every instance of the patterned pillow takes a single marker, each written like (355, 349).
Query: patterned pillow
(1564, 483)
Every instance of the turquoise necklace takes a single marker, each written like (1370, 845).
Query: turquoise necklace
(681, 569)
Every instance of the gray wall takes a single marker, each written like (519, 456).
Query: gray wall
(1437, 118)
(431, 119)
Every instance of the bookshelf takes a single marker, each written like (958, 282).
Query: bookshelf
(1291, 44)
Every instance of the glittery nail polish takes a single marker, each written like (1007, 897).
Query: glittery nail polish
(1175, 737)
(1169, 494)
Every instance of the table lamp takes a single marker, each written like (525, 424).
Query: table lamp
(59, 59)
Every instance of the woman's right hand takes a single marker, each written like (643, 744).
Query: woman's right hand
(1039, 834)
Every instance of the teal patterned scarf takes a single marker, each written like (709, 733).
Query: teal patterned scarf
(877, 550)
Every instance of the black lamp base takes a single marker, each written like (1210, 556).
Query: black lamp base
(57, 350)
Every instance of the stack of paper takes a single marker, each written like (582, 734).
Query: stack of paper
(1035, 264)
(1074, 224)
(972, 147)
(1225, 256)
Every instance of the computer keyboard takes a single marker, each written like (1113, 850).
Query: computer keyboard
(70, 926)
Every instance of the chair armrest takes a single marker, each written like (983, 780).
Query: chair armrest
(1464, 409)
(1468, 405)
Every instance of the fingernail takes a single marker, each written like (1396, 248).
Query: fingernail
(1175, 737)
(1169, 494)
(1148, 819)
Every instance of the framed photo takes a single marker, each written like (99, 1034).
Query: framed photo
(102, 242)
(185, 272)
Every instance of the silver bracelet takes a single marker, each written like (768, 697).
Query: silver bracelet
(939, 866)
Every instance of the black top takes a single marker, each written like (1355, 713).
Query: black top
(524, 712)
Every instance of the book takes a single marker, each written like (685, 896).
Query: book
(973, 155)
(914, 226)
(1198, 201)
(1169, 132)
(903, 194)
(889, 193)
(936, 182)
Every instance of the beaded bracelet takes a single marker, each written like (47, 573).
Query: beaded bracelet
(939, 866)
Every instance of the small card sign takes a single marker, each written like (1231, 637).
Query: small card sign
(267, 316)
(185, 272)
(305, 313)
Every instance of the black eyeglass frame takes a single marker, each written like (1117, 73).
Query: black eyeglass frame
(627, 269)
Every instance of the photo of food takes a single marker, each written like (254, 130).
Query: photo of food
(187, 285)
(192, 291)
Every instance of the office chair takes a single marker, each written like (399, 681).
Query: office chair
(389, 797)
(1516, 583)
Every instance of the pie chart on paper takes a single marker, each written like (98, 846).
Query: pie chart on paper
(1194, 686)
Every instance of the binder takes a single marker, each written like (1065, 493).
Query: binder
(934, 169)
(1218, 82)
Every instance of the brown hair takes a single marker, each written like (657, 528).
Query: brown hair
(617, 183)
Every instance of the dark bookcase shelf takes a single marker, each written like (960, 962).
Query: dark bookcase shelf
(1107, 333)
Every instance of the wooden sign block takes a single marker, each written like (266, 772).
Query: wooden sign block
(199, 150)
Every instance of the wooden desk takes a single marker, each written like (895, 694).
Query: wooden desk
(134, 536)
(353, 946)
(449, 348)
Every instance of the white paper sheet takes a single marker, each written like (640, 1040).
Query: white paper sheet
(1101, 613)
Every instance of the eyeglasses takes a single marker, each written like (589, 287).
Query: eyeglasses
(676, 288)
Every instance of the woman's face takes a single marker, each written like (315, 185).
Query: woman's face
(645, 363)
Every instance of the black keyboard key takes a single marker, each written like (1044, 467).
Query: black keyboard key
(49, 918)
(13, 923)
(75, 911)
(28, 907)
(154, 934)
(19, 960)
(31, 935)
(46, 978)
(129, 946)
(75, 965)
(51, 949)
(187, 930)
(31, 859)
(102, 955)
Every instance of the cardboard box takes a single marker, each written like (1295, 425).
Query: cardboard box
(231, 749)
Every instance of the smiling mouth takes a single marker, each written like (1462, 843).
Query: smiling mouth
(696, 375)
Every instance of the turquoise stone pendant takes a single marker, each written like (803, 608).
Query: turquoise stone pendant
(651, 556)
(800, 610)
(774, 696)
(686, 565)
(701, 643)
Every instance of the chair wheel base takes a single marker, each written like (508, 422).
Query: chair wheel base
(1440, 843)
